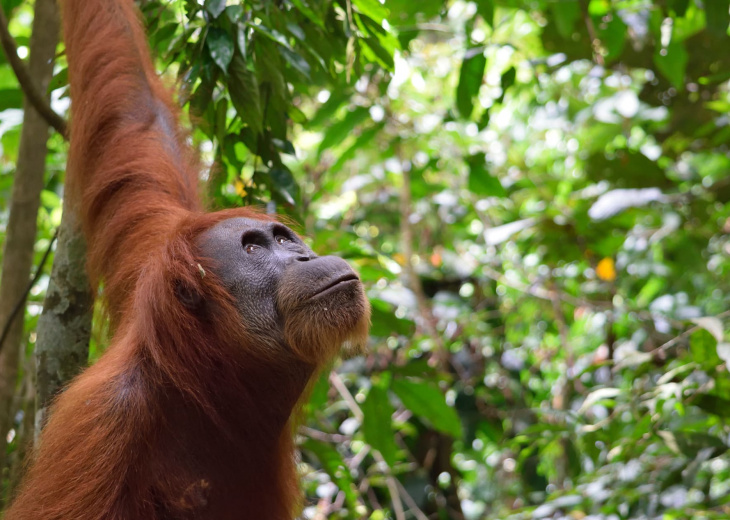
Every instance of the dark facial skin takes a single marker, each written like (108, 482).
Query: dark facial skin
(278, 284)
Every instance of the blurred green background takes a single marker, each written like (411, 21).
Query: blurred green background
(537, 197)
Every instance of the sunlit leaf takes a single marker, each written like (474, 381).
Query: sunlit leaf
(371, 8)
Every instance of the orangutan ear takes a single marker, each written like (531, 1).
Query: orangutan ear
(188, 296)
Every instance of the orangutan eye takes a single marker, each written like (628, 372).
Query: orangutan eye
(281, 239)
(251, 248)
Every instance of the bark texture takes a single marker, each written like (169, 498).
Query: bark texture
(64, 328)
(24, 204)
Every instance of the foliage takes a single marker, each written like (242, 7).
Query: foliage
(535, 193)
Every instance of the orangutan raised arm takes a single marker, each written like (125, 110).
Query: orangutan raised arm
(220, 319)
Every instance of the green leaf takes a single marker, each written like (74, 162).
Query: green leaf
(50, 199)
(565, 15)
(598, 8)
(296, 61)
(308, 12)
(296, 115)
(712, 325)
(326, 112)
(364, 139)
(506, 81)
(372, 9)
(271, 34)
(679, 6)
(376, 425)
(380, 53)
(470, 80)
(318, 396)
(215, 7)
(244, 91)
(221, 110)
(10, 98)
(201, 98)
(690, 443)
(337, 132)
(59, 80)
(241, 38)
(613, 37)
(718, 16)
(386, 323)
(481, 182)
(285, 185)
(485, 8)
(672, 63)
(234, 13)
(650, 291)
(220, 47)
(333, 463)
(703, 349)
(713, 404)
(427, 402)
(10, 5)
(10, 140)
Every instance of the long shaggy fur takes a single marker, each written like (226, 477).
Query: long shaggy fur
(184, 416)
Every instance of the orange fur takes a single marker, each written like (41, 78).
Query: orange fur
(184, 416)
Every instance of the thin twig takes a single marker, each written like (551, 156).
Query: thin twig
(19, 304)
(669, 344)
(39, 101)
(323, 436)
(595, 41)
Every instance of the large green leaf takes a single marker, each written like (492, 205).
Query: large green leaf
(376, 426)
(372, 9)
(481, 182)
(220, 47)
(486, 9)
(566, 14)
(244, 90)
(672, 63)
(470, 80)
(385, 322)
(427, 402)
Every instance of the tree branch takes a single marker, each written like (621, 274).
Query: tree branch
(21, 302)
(39, 101)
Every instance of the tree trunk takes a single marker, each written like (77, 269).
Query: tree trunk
(64, 328)
(24, 203)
